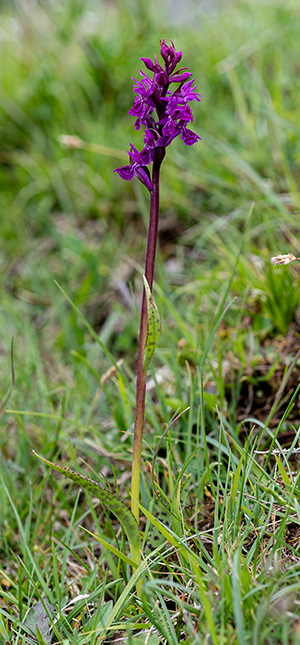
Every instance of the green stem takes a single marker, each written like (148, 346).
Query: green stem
(141, 376)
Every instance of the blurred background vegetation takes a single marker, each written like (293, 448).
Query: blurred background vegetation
(66, 69)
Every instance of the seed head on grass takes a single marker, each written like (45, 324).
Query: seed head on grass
(71, 141)
(283, 259)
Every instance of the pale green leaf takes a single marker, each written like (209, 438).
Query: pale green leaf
(284, 476)
(153, 327)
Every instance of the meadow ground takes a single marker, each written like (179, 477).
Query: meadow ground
(71, 262)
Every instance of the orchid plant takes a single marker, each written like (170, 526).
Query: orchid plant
(165, 113)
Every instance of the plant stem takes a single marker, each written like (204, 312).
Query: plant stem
(141, 376)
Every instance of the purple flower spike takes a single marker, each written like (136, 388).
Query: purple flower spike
(172, 110)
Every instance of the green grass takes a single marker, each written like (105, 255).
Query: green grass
(229, 572)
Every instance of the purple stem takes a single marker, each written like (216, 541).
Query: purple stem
(141, 376)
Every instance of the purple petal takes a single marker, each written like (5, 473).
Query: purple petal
(188, 93)
(149, 138)
(189, 137)
(139, 108)
(186, 114)
(146, 156)
(180, 78)
(134, 154)
(170, 129)
(126, 172)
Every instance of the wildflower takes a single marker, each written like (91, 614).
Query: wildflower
(284, 259)
(165, 114)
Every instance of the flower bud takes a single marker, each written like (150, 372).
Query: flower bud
(149, 64)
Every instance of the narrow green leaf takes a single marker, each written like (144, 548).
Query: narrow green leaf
(208, 609)
(7, 396)
(236, 479)
(110, 547)
(284, 476)
(115, 505)
(237, 598)
(153, 327)
(97, 623)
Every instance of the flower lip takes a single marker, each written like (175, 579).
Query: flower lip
(188, 137)
(126, 172)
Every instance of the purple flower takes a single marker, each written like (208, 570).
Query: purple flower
(172, 110)
(139, 107)
(187, 92)
(141, 172)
